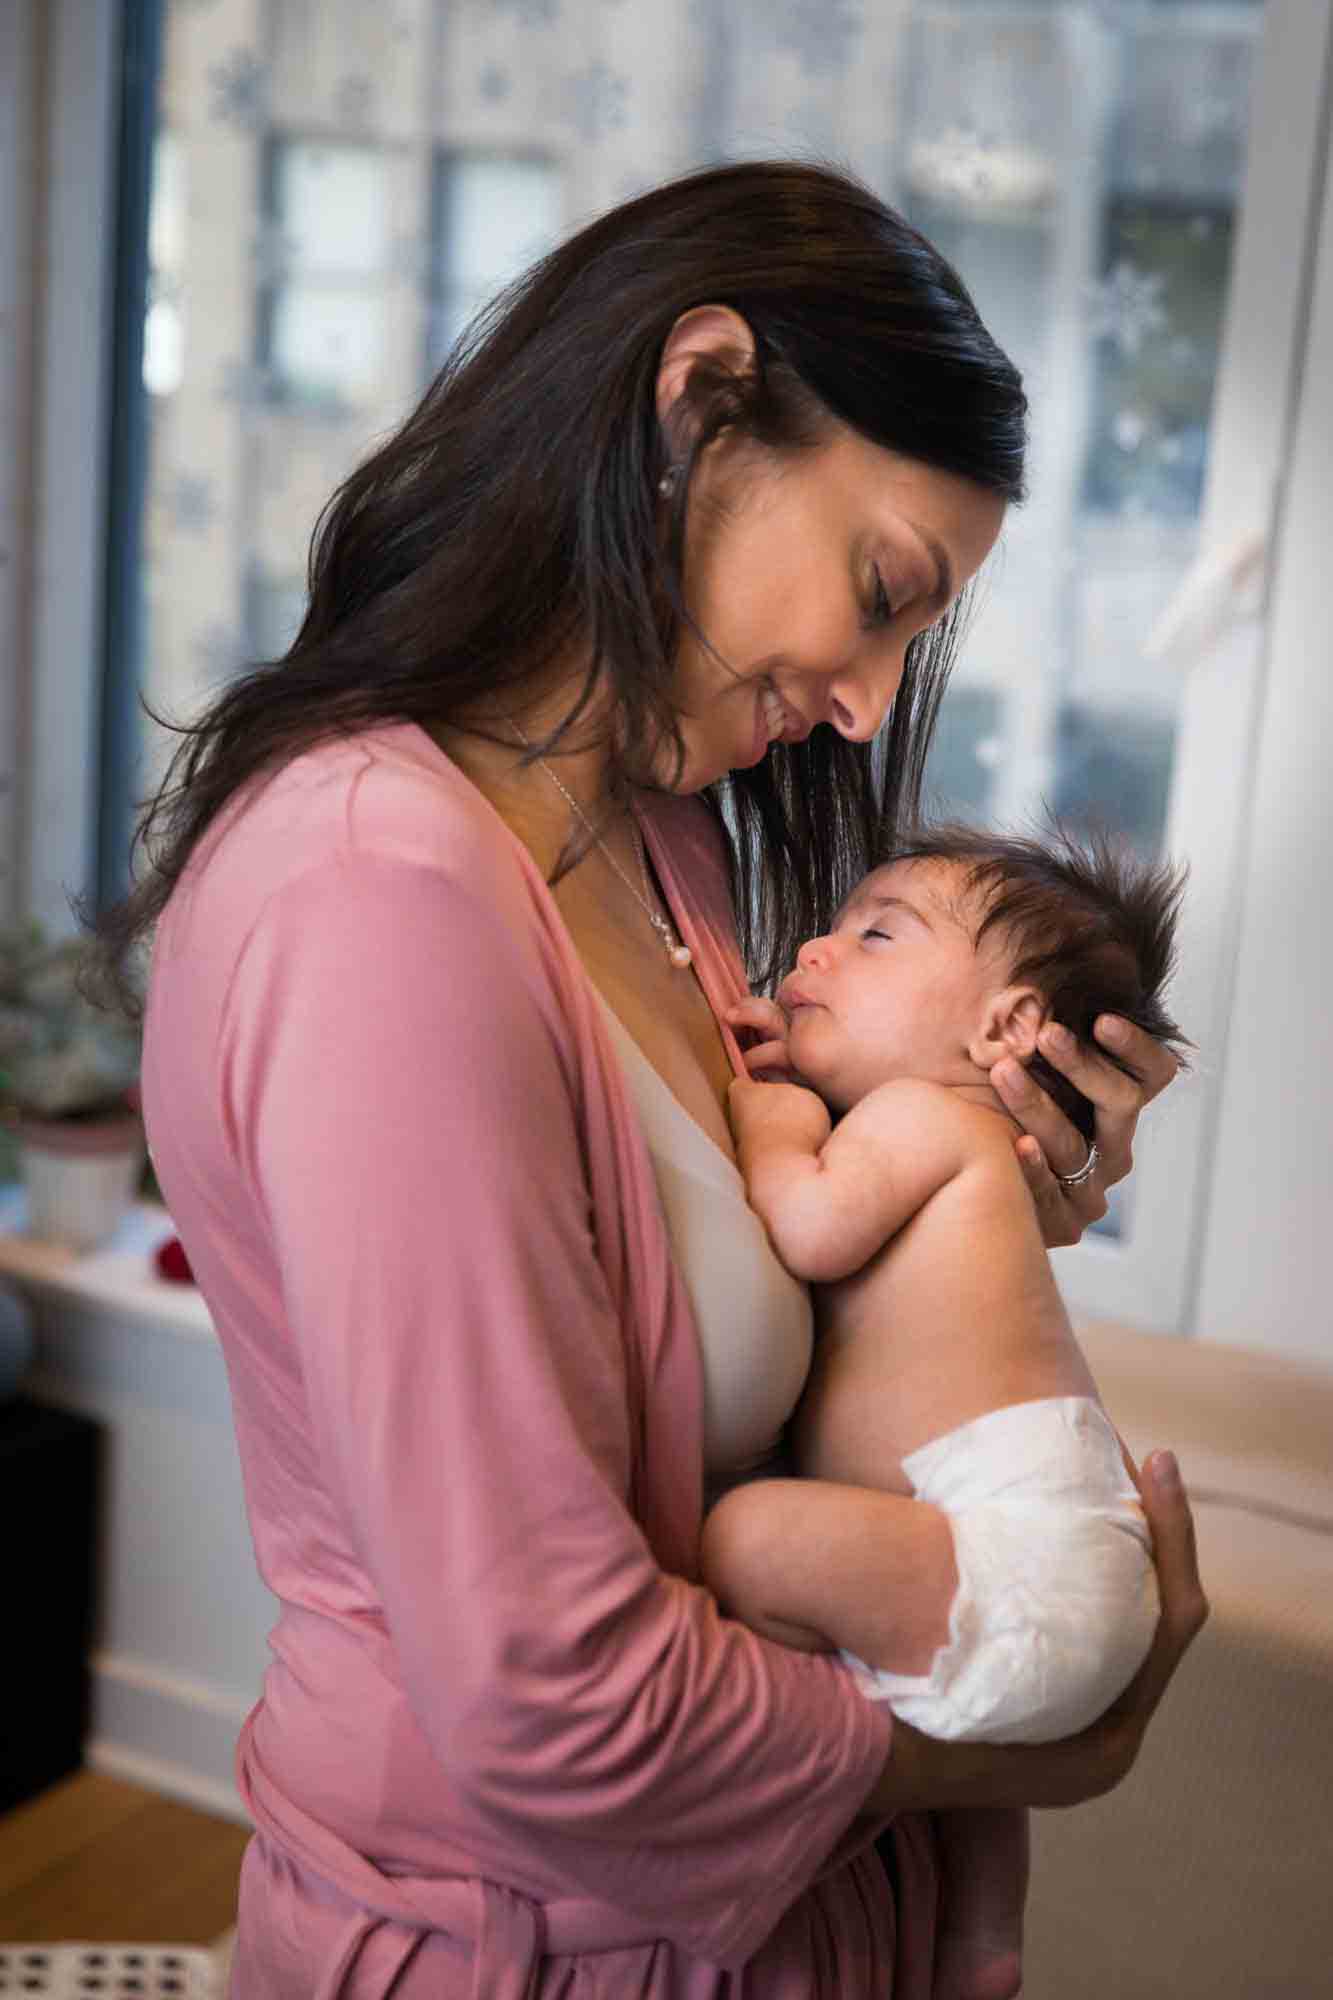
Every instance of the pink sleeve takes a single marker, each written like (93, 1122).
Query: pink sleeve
(398, 1090)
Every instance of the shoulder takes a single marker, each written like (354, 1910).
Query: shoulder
(381, 795)
(379, 816)
(911, 1106)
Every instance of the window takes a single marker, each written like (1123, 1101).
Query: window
(1086, 166)
(494, 213)
(323, 255)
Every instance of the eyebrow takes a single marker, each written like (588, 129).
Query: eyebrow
(880, 899)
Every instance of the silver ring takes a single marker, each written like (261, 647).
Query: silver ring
(1085, 1172)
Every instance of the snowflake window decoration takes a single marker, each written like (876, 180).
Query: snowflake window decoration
(240, 90)
(596, 99)
(1126, 308)
(528, 13)
(819, 33)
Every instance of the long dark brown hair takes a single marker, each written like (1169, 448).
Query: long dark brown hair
(516, 513)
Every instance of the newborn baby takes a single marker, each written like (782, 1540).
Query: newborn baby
(968, 1532)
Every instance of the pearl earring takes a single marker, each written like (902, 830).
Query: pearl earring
(666, 485)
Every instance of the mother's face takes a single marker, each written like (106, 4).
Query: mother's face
(810, 574)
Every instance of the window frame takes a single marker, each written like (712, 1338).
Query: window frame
(75, 51)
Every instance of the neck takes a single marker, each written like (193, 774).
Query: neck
(494, 752)
(984, 1093)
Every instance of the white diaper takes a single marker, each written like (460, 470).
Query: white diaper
(1057, 1595)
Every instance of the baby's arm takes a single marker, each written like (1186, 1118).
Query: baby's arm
(830, 1197)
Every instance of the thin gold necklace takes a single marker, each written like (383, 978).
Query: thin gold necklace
(679, 954)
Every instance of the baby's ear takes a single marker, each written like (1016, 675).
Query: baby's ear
(1008, 1026)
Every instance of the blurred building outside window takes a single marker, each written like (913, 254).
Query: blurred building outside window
(338, 189)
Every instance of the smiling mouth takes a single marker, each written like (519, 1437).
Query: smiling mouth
(773, 713)
(784, 723)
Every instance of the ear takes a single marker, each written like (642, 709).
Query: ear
(1008, 1026)
(713, 331)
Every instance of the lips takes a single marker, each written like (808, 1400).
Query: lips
(791, 995)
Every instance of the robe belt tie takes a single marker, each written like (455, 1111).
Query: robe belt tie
(509, 1933)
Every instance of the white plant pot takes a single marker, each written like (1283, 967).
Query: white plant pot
(80, 1178)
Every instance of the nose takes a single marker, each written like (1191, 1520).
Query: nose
(816, 954)
(860, 698)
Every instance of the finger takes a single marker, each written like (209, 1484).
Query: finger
(764, 1016)
(1154, 1062)
(1175, 1547)
(768, 1059)
(1175, 1553)
(1105, 1086)
(1063, 1146)
(1059, 1221)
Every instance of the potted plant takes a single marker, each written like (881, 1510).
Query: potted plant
(68, 1090)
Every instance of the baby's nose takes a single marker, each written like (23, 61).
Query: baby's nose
(814, 953)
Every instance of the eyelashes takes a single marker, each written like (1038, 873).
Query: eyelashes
(881, 608)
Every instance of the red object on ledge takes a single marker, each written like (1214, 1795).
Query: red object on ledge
(172, 1262)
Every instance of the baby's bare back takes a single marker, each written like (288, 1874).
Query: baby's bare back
(958, 1314)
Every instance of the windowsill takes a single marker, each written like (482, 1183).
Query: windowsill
(118, 1277)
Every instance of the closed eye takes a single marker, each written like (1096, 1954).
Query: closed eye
(886, 935)
(881, 606)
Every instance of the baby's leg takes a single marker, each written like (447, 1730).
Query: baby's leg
(818, 1565)
(983, 1885)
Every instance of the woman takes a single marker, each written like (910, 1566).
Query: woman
(597, 650)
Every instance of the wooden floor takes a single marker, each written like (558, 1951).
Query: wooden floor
(97, 1860)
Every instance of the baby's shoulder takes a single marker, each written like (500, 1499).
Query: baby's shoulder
(933, 1122)
(920, 1098)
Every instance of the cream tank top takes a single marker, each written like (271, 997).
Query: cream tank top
(755, 1321)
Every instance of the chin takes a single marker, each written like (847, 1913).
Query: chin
(811, 1078)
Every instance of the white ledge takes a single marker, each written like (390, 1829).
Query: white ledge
(118, 1277)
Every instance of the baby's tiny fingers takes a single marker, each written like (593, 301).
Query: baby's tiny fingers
(764, 1016)
(768, 1059)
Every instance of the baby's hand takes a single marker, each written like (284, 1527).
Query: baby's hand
(776, 1114)
(769, 1056)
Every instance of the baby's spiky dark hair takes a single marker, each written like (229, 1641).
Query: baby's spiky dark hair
(1087, 922)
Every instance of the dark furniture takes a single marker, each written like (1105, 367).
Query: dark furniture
(48, 1520)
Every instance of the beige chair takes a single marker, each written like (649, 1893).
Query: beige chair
(1208, 1875)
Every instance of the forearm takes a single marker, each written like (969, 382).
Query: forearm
(821, 1565)
(784, 1144)
(797, 1202)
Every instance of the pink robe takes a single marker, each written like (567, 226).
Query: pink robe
(507, 1745)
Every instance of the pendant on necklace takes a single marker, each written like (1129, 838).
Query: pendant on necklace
(681, 955)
